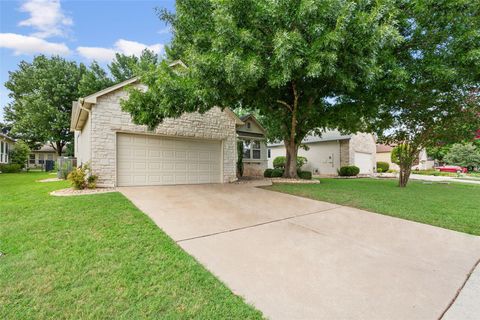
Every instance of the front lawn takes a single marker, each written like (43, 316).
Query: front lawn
(453, 206)
(97, 256)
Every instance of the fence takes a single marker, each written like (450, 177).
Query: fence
(64, 166)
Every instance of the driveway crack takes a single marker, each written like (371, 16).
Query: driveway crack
(258, 224)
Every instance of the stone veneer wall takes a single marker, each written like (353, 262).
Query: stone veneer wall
(108, 119)
(363, 142)
(344, 152)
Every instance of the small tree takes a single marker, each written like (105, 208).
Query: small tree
(404, 155)
(19, 153)
(431, 95)
(465, 155)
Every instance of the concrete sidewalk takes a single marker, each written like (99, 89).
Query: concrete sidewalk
(295, 258)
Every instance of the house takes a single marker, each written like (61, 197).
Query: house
(384, 154)
(332, 150)
(37, 158)
(194, 148)
(252, 134)
(6, 144)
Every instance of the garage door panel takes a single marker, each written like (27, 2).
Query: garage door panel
(151, 160)
(364, 162)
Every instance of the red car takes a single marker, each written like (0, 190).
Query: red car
(454, 169)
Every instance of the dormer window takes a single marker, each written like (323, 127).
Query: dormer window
(248, 125)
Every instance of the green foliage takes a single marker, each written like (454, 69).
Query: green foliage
(42, 92)
(240, 158)
(19, 153)
(429, 96)
(268, 173)
(465, 155)
(94, 79)
(283, 62)
(83, 178)
(125, 67)
(306, 175)
(279, 162)
(348, 171)
(10, 168)
(277, 173)
(383, 166)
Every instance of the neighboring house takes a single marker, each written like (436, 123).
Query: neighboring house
(194, 148)
(332, 150)
(37, 158)
(6, 144)
(384, 154)
(252, 134)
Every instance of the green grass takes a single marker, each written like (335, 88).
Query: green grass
(453, 206)
(97, 256)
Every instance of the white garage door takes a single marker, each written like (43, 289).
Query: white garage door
(364, 162)
(151, 160)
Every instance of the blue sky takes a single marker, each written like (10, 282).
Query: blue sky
(80, 30)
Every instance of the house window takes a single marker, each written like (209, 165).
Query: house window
(50, 157)
(5, 157)
(269, 153)
(32, 158)
(1, 151)
(40, 159)
(248, 125)
(256, 150)
(246, 149)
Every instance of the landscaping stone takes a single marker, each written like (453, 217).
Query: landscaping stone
(74, 192)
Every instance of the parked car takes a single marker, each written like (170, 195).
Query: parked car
(454, 169)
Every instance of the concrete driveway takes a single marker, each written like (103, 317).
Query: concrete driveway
(295, 258)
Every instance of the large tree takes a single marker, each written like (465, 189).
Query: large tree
(125, 67)
(433, 98)
(94, 79)
(292, 61)
(42, 92)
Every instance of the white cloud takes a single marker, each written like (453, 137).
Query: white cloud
(121, 46)
(47, 17)
(31, 45)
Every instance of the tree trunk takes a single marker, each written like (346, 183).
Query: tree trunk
(291, 160)
(59, 147)
(405, 171)
(290, 144)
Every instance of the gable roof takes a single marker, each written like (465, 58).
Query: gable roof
(3, 135)
(327, 135)
(384, 148)
(250, 116)
(82, 107)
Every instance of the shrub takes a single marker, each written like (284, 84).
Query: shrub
(268, 173)
(10, 168)
(279, 162)
(306, 175)
(19, 153)
(240, 159)
(348, 171)
(382, 166)
(277, 173)
(82, 178)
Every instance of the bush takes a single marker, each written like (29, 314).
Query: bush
(19, 153)
(279, 162)
(240, 159)
(348, 171)
(268, 173)
(382, 166)
(82, 178)
(10, 168)
(306, 175)
(277, 173)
